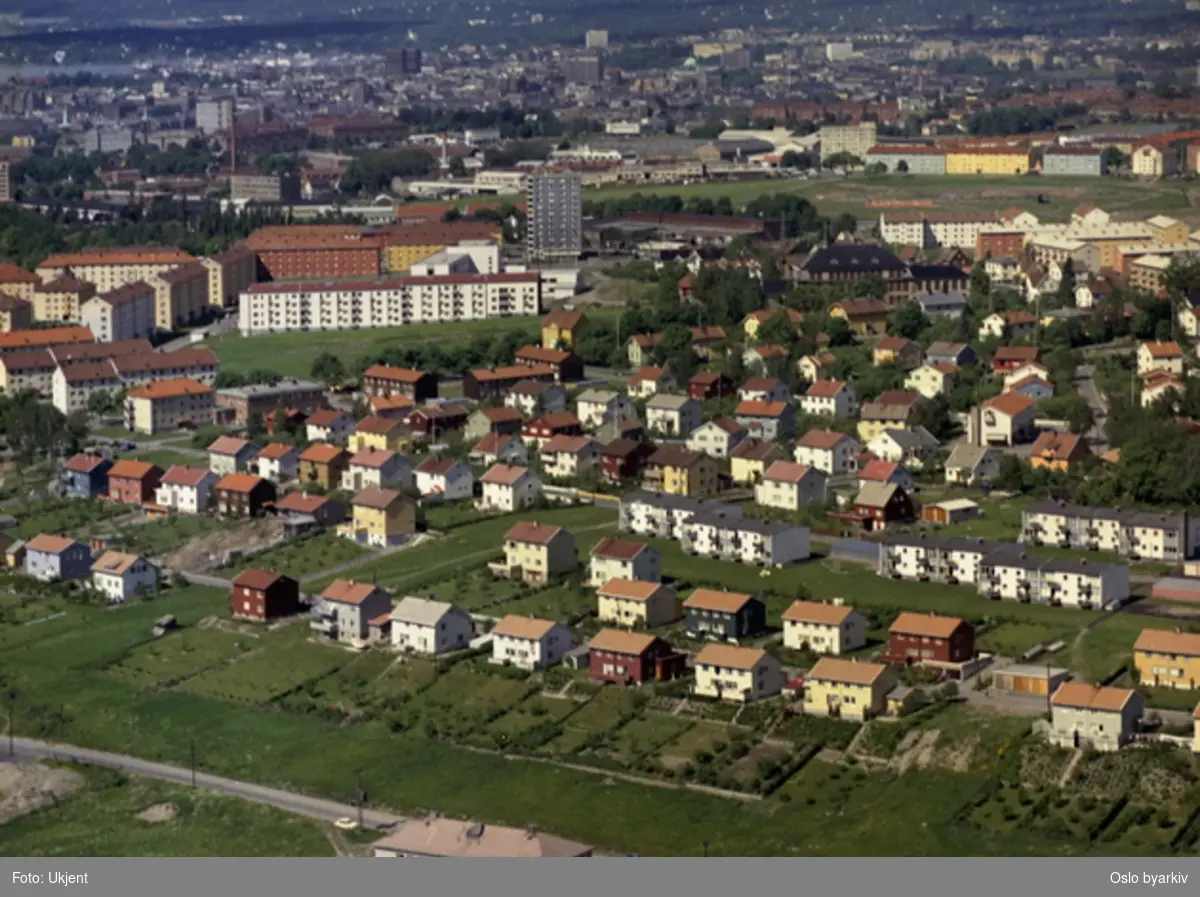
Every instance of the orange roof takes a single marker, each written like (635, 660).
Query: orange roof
(119, 255)
(711, 599)
(169, 389)
(731, 656)
(752, 408)
(372, 457)
(275, 450)
(325, 417)
(377, 426)
(648, 375)
(562, 318)
(532, 531)
(347, 591)
(132, 470)
(1010, 403)
(503, 475)
(10, 273)
(925, 624)
(390, 403)
(1162, 641)
(834, 669)
(1091, 697)
(516, 626)
(630, 589)
(619, 549)
(619, 642)
(821, 439)
(377, 499)
(818, 612)
(48, 543)
(387, 372)
(786, 472)
(239, 482)
(51, 336)
(1163, 350)
(322, 453)
(227, 445)
(825, 389)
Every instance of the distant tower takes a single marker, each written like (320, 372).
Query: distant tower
(554, 232)
(596, 39)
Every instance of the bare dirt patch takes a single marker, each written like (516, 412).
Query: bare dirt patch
(159, 813)
(242, 538)
(28, 787)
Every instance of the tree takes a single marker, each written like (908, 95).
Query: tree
(327, 368)
(1114, 159)
(843, 160)
(1080, 417)
(256, 427)
(35, 429)
(902, 166)
(845, 223)
(875, 169)
(907, 320)
(458, 168)
(104, 401)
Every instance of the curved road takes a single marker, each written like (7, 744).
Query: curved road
(312, 807)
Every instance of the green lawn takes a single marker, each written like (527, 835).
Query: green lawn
(273, 671)
(101, 820)
(178, 656)
(167, 458)
(1108, 645)
(291, 354)
(163, 535)
(73, 517)
(303, 556)
(955, 192)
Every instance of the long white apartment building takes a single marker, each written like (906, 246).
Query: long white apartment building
(1137, 535)
(387, 302)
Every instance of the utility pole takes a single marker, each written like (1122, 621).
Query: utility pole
(706, 847)
(12, 701)
(359, 795)
(192, 758)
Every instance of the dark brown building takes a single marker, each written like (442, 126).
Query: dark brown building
(491, 383)
(567, 366)
(434, 420)
(623, 459)
(297, 395)
(263, 595)
(382, 380)
(243, 495)
(920, 638)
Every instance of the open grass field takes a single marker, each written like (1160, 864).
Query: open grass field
(301, 557)
(291, 354)
(834, 195)
(269, 673)
(178, 656)
(102, 820)
(64, 516)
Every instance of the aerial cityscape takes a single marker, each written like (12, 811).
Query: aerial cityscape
(706, 430)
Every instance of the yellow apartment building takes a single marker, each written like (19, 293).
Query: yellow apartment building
(997, 161)
(180, 295)
(229, 273)
(535, 552)
(61, 299)
(1166, 659)
(163, 406)
(111, 268)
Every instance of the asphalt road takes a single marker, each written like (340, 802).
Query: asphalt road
(302, 805)
(1086, 384)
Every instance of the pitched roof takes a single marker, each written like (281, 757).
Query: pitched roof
(517, 626)
(423, 611)
(380, 426)
(373, 458)
(398, 375)
(756, 450)
(84, 463)
(825, 389)
(875, 495)
(571, 445)
(436, 465)
(132, 470)
(630, 589)
(302, 503)
(674, 456)
(227, 445)
(325, 417)
(752, 408)
(257, 578)
(322, 453)
(347, 591)
(114, 562)
(1163, 350)
(378, 499)
(500, 414)
(711, 599)
(620, 642)
(555, 420)
(893, 343)
(1010, 403)
(50, 336)
(48, 543)
(169, 389)
(182, 475)
(492, 443)
(1059, 446)
(503, 475)
(821, 439)
(618, 549)
(648, 375)
(878, 471)
(786, 472)
(925, 624)
(1091, 697)
(562, 318)
(275, 450)
(835, 669)
(532, 531)
(1162, 641)
(239, 482)
(732, 656)
(818, 612)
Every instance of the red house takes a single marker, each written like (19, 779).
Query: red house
(1009, 358)
(556, 423)
(623, 459)
(434, 420)
(710, 385)
(133, 482)
(632, 657)
(567, 366)
(263, 595)
(924, 638)
(880, 504)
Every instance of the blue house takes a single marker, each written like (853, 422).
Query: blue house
(51, 558)
(86, 476)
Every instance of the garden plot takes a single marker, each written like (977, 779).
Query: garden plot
(1141, 828)
(646, 735)
(266, 674)
(702, 737)
(805, 729)
(404, 678)
(177, 657)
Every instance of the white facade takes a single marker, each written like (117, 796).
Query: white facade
(841, 458)
(345, 305)
(789, 494)
(138, 578)
(745, 540)
(837, 402)
(186, 498)
(674, 416)
(566, 465)
(455, 484)
(823, 636)
(1053, 581)
(596, 406)
(522, 493)
(714, 440)
(279, 468)
(533, 653)
(420, 626)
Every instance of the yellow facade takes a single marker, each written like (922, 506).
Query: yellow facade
(59, 305)
(16, 318)
(180, 298)
(380, 524)
(1166, 670)
(658, 610)
(399, 259)
(394, 440)
(869, 429)
(863, 325)
(698, 480)
(849, 700)
(748, 470)
(1174, 233)
(987, 163)
(555, 336)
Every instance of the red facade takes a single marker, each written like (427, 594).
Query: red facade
(134, 490)
(320, 262)
(557, 423)
(899, 509)
(623, 459)
(710, 386)
(914, 648)
(434, 422)
(659, 661)
(1009, 243)
(264, 595)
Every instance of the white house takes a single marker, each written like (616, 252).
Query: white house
(823, 628)
(970, 465)
(186, 490)
(1007, 419)
(530, 643)
(423, 626)
(1166, 357)
(764, 389)
(932, 379)
(278, 462)
(509, 488)
(833, 398)
(499, 448)
(568, 457)
(534, 397)
(914, 447)
(673, 416)
(446, 478)
(378, 467)
(790, 487)
(119, 576)
(613, 558)
(333, 427)
(648, 381)
(716, 438)
(829, 451)
(746, 540)
(595, 406)
(229, 454)
(347, 609)
(733, 673)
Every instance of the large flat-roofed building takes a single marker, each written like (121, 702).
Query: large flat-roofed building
(856, 140)
(387, 302)
(110, 268)
(168, 404)
(229, 273)
(908, 159)
(253, 186)
(243, 401)
(315, 251)
(554, 231)
(987, 160)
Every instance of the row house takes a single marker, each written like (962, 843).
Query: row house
(664, 516)
(746, 540)
(384, 380)
(1137, 535)
(1057, 581)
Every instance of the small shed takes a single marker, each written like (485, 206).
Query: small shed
(1030, 679)
(895, 699)
(954, 510)
(14, 554)
(577, 658)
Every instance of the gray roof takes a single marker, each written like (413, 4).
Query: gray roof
(421, 610)
(745, 524)
(875, 495)
(945, 348)
(1127, 516)
(666, 402)
(603, 396)
(951, 543)
(942, 301)
(915, 438)
(682, 503)
(282, 388)
(966, 455)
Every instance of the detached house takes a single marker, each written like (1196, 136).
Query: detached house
(710, 385)
(675, 470)
(229, 454)
(914, 447)
(1007, 419)
(381, 517)
(595, 406)
(263, 595)
(1104, 719)
(823, 628)
(1166, 357)
(119, 576)
(897, 350)
(242, 495)
(384, 434)
(536, 553)
(423, 626)
(790, 487)
(878, 505)
(1009, 358)
(534, 397)
(377, 467)
(731, 673)
(623, 460)
(717, 438)
(883, 472)
(633, 602)
(487, 421)
(933, 379)
(347, 610)
(186, 490)
(971, 465)
(86, 476)
(556, 423)
(1166, 659)
(828, 451)
(1007, 325)
(749, 460)
(304, 511)
(133, 482)
(279, 461)
(52, 558)
(632, 658)
(767, 420)
(1059, 451)
(569, 457)
(614, 558)
(815, 367)
(509, 488)
(323, 464)
(895, 409)
(530, 643)
(923, 639)
(649, 381)
(958, 354)
(723, 615)
(764, 389)
(499, 448)
(445, 479)
(847, 689)
(434, 421)
(831, 398)
(673, 416)
(333, 427)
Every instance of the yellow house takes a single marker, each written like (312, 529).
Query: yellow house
(632, 602)
(536, 551)
(863, 316)
(381, 517)
(562, 329)
(1166, 230)
(732, 673)
(167, 404)
(756, 319)
(897, 350)
(388, 434)
(750, 458)
(675, 470)
(996, 160)
(847, 688)
(1167, 659)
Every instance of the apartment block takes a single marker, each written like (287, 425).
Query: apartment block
(126, 313)
(111, 268)
(1137, 535)
(745, 540)
(167, 404)
(664, 516)
(181, 295)
(61, 299)
(229, 274)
